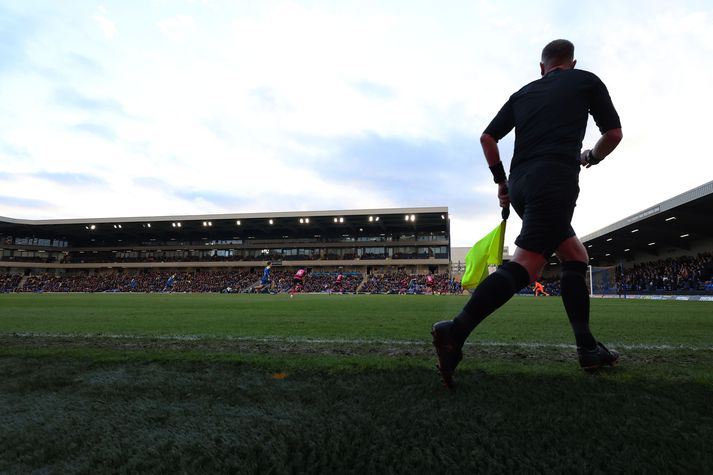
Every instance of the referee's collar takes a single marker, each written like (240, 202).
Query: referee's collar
(553, 71)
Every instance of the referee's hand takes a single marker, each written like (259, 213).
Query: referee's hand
(585, 159)
(503, 194)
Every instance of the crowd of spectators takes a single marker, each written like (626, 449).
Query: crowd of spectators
(225, 282)
(403, 283)
(684, 274)
(9, 282)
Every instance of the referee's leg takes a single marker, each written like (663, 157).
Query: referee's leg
(575, 295)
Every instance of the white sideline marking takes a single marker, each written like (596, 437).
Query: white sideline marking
(358, 341)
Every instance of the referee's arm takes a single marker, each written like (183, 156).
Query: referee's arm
(492, 155)
(498, 128)
(604, 146)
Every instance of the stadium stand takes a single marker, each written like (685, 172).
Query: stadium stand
(681, 275)
(416, 240)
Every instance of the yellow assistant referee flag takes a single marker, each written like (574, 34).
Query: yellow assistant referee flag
(487, 251)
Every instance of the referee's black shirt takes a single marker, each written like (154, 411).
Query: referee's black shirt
(550, 116)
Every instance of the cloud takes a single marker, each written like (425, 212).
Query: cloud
(98, 130)
(177, 27)
(215, 198)
(152, 183)
(411, 172)
(70, 179)
(105, 24)
(374, 90)
(15, 31)
(17, 202)
(13, 150)
(67, 96)
(85, 63)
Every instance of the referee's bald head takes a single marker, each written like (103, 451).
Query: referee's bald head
(557, 52)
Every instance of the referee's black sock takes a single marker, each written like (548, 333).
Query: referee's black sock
(575, 297)
(492, 293)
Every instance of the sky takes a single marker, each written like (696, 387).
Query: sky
(178, 107)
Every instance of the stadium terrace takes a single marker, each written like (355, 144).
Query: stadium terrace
(411, 240)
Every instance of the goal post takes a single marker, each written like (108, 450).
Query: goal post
(602, 280)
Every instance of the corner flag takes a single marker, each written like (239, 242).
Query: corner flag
(487, 251)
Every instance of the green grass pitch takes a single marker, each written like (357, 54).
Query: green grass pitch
(200, 383)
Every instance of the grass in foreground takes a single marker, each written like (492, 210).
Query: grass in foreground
(370, 403)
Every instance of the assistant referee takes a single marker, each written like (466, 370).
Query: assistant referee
(550, 119)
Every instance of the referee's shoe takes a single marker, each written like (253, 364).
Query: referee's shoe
(594, 359)
(448, 350)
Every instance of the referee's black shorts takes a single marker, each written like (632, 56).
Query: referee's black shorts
(544, 195)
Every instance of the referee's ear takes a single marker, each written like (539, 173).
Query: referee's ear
(542, 69)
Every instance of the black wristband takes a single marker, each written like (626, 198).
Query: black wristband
(591, 159)
(498, 172)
